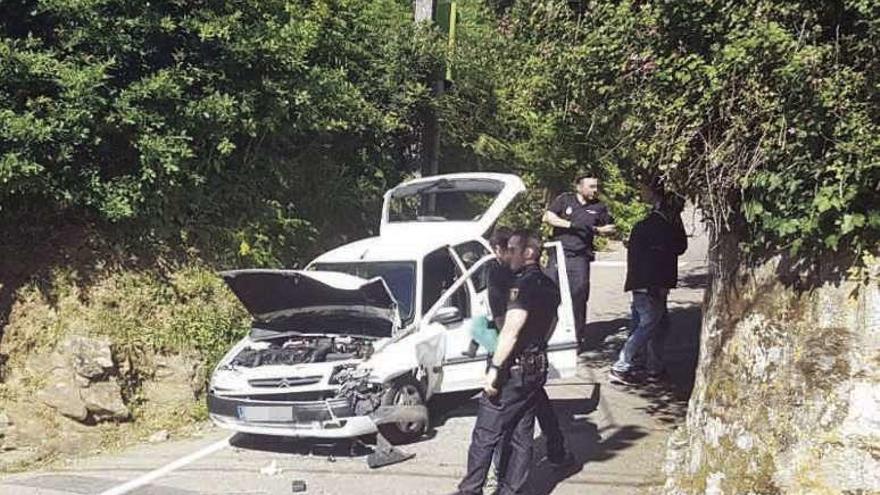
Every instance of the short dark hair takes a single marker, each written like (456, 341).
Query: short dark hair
(531, 239)
(583, 174)
(500, 236)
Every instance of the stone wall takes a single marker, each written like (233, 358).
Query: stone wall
(70, 400)
(787, 397)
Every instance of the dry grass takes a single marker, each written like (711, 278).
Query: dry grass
(188, 311)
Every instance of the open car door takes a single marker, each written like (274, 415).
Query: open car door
(466, 373)
(562, 346)
(452, 206)
(459, 372)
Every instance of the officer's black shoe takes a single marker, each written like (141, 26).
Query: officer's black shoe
(623, 378)
(565, 461)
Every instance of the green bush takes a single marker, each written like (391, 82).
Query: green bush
(252, 131)
(142, 313)
(762, 112)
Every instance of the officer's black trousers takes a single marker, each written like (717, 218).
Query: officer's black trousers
(578, 270)
(549, 426)
(506, 421)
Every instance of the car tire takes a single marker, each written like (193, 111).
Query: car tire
(404, 391)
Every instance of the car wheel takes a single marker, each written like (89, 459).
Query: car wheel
(403, 392)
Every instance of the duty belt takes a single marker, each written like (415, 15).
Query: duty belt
(531, 362)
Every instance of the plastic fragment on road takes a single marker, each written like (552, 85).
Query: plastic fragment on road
(386, 454)
(271, 469)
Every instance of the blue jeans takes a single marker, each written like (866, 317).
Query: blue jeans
(649, 325)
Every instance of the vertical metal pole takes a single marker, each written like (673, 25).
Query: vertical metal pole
(425, 11)
(450, 44)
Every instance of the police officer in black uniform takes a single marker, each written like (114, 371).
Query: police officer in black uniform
(577, 217)
(516, 374)
(500, 281)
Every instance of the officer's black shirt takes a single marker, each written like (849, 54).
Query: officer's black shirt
(499, 282)
(578, 242)
(536, 293)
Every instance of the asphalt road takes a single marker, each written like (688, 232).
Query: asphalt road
(618, 434)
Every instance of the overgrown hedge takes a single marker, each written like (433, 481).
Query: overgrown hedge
(764, 112)
(247, 129)
(257, 133)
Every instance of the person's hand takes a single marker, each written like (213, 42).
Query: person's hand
(489, 386)
(609, 229)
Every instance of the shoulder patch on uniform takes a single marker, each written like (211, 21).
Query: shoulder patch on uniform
(568, 210)
(514, 292)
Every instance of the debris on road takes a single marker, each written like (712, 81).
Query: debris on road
(271, 469)
(386, 454)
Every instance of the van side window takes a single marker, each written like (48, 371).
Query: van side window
(471, 252)
(440, 272)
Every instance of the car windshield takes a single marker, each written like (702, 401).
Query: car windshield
(399, 276)
(443, 200)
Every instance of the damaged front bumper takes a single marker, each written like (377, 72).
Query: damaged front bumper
(330, 418)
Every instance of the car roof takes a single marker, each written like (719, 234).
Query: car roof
(388, 248)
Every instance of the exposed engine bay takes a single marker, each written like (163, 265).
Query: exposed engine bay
(363, 395)
(303, 349)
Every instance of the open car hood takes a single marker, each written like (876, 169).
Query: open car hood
(314, 302)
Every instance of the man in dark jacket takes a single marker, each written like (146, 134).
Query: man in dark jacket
(655, 244)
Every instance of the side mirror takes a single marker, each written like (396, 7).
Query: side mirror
(447, 315)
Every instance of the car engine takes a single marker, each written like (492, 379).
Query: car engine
(302, 349)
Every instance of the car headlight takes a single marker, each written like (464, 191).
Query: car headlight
(225, 379)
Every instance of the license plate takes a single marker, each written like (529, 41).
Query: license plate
(266, 414)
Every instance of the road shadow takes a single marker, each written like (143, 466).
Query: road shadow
(331, 449)
(694, 280)
(582, 438)
(586, 443)
(601, 339)
(668, 398)
(454, 405)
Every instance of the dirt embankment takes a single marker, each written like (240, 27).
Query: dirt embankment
(77, 398)
(99, 350)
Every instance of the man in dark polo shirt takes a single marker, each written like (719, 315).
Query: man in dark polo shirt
(499, 280)
(577, 217)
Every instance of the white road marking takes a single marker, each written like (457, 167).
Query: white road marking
(612, 263)
(164, 470)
